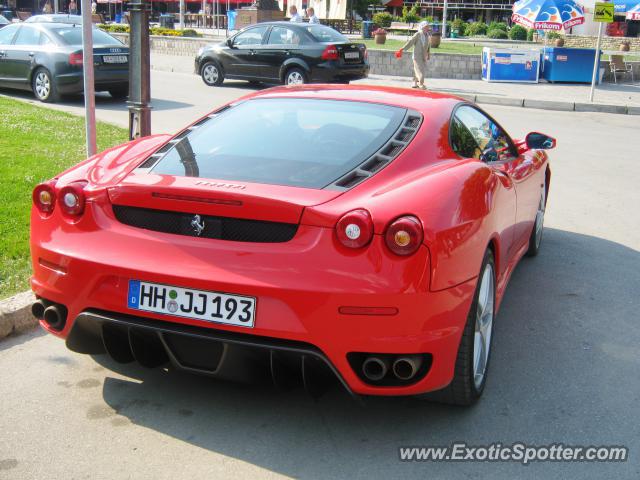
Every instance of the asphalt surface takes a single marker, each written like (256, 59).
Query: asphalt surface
(564, 366)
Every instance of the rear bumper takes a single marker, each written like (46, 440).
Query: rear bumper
(300, 286)
(332, 72)
(72, 83)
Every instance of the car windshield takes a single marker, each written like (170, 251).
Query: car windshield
(73, 36)
(325, 34)
(295, 142)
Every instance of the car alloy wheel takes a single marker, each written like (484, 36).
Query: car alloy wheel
(42, 85)
(539, 226)
(483, 326)
(295, 77)
(211, 74)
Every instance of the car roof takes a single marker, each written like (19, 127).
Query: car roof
(55, 18)
(428, 103)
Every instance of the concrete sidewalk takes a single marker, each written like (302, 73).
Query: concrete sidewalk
(609, 98)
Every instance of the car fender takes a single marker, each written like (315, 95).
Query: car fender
(293, 62)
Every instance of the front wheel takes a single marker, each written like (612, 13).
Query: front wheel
(472, 362)
(295, 76)
(212, 74)
(538, 226)
(44, 88)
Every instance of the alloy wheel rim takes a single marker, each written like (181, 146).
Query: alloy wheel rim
(211, 74)
(43, 87)
(540, 220)
(295, 78)
(483, 326)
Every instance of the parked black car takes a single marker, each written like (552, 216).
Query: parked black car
(47, 58)
(284, 52)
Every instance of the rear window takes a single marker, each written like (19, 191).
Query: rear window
(325, 34)
(73, 36)
(294, 142)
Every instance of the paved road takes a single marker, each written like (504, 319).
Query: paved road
(564, 367)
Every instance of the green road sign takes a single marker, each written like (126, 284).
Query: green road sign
(603, 12)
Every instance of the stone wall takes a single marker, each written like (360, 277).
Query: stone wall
(383, 62)
(608, 43)
(441, 65)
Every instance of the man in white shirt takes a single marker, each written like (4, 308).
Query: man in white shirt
(311, 13)
(295, 16)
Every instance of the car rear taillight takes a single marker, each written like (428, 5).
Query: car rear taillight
(71, 199)
(355, 229)
(44, 197)
(330, 53)
(75, 58)
(366, 53)
(404, 235)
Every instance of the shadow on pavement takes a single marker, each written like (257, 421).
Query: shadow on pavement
(564, 370)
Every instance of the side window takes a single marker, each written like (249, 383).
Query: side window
(7, 34)
(45, 40)
(252, 36)
(28, 36)
(491, 141)
(283, 36)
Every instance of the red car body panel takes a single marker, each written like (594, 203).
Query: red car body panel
(465, 207)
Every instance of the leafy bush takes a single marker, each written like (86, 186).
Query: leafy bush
(497, 33)
(530, 34)
(497, 26)
(189, 32)
(114, 27)
(518, 33)
(410, 15)
(459, 25)
(476, 28)
(553, 35)
(382, 19)
(167, 32)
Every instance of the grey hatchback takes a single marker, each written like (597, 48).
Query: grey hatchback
(47, 59)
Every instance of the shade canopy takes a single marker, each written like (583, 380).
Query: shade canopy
(634, 13)
(548, 14)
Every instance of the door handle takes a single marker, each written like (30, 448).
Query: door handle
(252, 52)
(31, 54)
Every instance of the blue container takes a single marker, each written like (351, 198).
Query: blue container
(510, 65)
(568, 64)
(118, 18)
(231, 19)
(367, 27)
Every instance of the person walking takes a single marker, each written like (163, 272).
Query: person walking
(311, 13)
(295, 16)
(421, 43)
(73, 7)
(46, 9)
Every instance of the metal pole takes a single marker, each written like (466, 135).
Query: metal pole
(87, 73)
(596, 63)
(181, 14)
(139, 71)
(444, 20)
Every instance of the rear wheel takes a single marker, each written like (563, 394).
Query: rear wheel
(472, 362)
(44, 88)
(295, 76)
(212, 74)
(538, 226)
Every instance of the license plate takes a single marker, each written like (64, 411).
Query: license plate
(351, 55)
(197, 304)
(115, 58)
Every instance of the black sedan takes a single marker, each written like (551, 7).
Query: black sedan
(47, 58)
(284, 52)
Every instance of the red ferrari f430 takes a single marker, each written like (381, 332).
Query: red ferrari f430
(358, 232)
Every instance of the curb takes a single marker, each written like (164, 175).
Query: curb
(15, 314)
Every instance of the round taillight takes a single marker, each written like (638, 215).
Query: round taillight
(71, 199)
(404, 235)
(44, 197)
(355, 229)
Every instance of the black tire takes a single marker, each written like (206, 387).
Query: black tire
(43, 86)
(254, 83)
(119, 93)
(295, 76)
(463, 389)
(535, 239)
(212, 73)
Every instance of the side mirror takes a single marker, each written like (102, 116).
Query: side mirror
(229, 42)
(539, 141)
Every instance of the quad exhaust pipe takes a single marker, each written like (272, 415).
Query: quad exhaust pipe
(375, 368)
(38, 308)
(405, 368)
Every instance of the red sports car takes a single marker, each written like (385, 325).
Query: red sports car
(364, 232)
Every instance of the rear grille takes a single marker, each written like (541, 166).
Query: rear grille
(220, 228)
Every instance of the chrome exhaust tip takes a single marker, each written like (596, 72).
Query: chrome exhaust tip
(405, 368)
(375, 368)
(38, 308)
(53, 316)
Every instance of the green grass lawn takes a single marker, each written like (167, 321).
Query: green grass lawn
(36, 143)
(445, 47)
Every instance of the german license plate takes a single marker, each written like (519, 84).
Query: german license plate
(115, 58)
(197, 304)
(351, 55)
